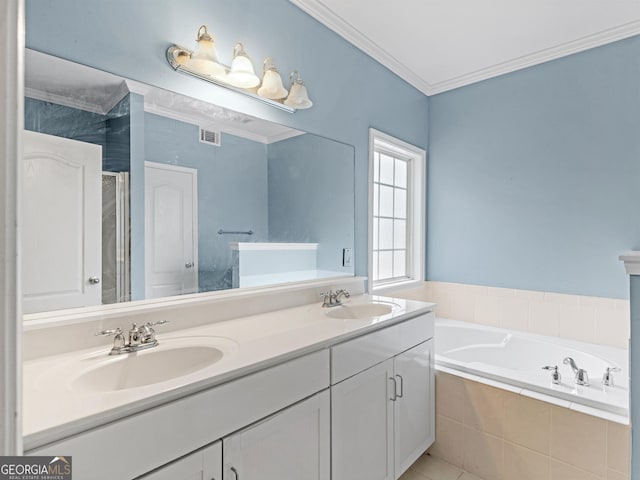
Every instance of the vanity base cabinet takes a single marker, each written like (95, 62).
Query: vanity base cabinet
(362, 425)
(205, 464)
(292, 444)
(383, 418)
(414, 411)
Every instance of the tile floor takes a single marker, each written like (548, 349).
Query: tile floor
(431, 468)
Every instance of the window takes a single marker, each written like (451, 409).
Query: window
(396, 232)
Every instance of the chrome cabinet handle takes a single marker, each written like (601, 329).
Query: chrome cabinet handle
(395, 389)
(188, 264)
(94, 280)
(235, 473)
(399, 395)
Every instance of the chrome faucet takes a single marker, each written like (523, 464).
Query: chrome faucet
(607, 378)
(333, 299)
(138, 338)
(581, 376)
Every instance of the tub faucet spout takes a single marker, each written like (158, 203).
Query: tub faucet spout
(581, 375)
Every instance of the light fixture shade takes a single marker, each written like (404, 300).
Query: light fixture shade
(271, 82)
(298, 97)
(204, 59)
(242, 74)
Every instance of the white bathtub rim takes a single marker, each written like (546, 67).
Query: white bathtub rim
(616, 412)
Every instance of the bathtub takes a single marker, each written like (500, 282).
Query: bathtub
(513, 361)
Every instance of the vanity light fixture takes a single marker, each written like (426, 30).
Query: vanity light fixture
(203, 63)
(271, 82)
(242, 74)
(298, 97)
(204, 58)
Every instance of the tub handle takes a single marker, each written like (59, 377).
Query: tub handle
(399, 395)
(395, 389)
(556, 378)
(607, 378)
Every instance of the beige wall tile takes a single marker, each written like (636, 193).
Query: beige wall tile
(436, 469)
(612, 327)
(562, 471)
(577, 322)
(579, 440)
(483, 407)
(561, 298)
(544, 318)
(449, 441)
(450, 396)
(597, 302)
(501, 292)
(618, 447)
(524, 464)
(527, 422)
(487, 310)
(482, 454)
(514, 313)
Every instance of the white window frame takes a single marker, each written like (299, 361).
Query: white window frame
(416, 211)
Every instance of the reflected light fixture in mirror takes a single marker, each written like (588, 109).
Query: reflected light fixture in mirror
(203, 63)
(242, 74)
(271, 82)
(298, 97)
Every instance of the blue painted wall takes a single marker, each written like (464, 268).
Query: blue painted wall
(534, 176)
(351, 92)
(311, 196)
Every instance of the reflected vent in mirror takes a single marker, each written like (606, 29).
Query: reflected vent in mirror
(209, 136)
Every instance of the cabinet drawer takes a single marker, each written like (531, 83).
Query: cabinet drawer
(162, 434)
(356, 355)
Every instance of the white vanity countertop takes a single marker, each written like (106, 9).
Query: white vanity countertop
(53, 409)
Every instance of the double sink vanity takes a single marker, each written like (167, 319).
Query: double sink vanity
(305, 392)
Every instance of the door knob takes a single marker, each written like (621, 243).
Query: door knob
(188, 264)
(94, 280)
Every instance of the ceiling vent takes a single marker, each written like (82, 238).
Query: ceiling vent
(210, 137)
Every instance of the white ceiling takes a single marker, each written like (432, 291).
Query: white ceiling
(438, 45)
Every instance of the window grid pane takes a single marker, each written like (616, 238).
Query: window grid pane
(390, 227)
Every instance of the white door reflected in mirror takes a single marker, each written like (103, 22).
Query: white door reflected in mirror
(171, 230)
(62, 214)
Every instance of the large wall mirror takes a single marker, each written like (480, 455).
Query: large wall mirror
(132, 193)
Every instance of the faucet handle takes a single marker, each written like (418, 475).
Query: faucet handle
(607, 378)
(555, 374)
(159, 322)
(114, 331)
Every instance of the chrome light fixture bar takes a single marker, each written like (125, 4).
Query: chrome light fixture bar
(203, 63)
(178, 57)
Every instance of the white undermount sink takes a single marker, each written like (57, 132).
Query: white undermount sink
(171, 359)
(360, 311)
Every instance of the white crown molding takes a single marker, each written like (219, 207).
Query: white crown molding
(100, 106)
(591, 41)
(631, 262)
(347, 31)
(202, 122)
(332, 21)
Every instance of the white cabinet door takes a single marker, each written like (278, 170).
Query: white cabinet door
(62, 223)
(414, 405)
(205, 464)
(292, 444)
(362, 425)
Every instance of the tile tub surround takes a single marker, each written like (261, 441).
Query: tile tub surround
(499, 435)
(603, 321)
